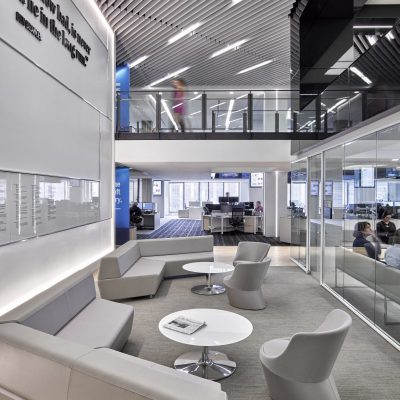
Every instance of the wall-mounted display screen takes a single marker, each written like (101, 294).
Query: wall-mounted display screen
(314, 188)
(34, 205)
(328, 188)
(157, 188)
(230, 175)
(367, 177)
(256, 179)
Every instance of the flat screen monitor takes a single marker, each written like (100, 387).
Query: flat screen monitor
(147, 206)
(249, 205)
(223, 199)
(233, 199)
(327, 212)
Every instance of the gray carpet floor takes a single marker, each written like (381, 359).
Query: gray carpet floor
(368, 368)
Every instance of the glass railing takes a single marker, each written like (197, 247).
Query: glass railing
(263, 111)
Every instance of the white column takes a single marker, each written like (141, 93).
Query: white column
(275, 199)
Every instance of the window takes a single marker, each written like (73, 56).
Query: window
(191, 192)
(203, 191)
(175, 197)
(216, 190)
(232, 188)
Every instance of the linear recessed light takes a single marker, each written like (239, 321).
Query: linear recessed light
(372, 39)
(184, 32)
(372, 26)
(165, 105)
(228, 116)
(234, 2)
(390, 35)
(195, 98)
(217, 105)
(138, 61)
(197, 112)
(241, 97)
(169, 76)
(395, 159)
(177, 105)
(228, 48)
(361, 75)
(340, 102)
(255, 66)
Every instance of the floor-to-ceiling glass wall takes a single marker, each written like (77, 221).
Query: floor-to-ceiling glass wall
(361, 214)
(298, 209)
(315, 214)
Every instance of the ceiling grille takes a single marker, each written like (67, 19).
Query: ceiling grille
(143, 28)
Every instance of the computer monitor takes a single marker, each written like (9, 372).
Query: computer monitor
(249, 205)
(213, 207)
(232, 200)
(147, 206)
(223, 199)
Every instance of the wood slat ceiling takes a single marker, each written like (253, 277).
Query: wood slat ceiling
(143, 28)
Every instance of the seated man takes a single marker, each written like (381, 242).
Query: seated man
(365, 242)
(136, 216)
(392, 256)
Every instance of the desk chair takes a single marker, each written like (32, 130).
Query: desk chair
(237, 217)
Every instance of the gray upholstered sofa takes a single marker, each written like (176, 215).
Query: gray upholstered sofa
(59, 347)
(375, 274)
(137, 267)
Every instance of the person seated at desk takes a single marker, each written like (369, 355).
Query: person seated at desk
(385, 229)
(136, 216)
(392, 256)
(365, 242)
(259, 209)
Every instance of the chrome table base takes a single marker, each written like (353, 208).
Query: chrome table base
(208, 289)
(207, 364)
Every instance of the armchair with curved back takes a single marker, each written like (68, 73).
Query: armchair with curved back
(300, 367)
(243, 286)
(251, 252)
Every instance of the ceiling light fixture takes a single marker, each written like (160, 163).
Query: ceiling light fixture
(361, 75)
(390, 35)
(234, 2)
(340, 102)
(228, 48)
(255, 66)
(217, 105)
(138, 61)
(241, 97)
(184, 32)
(395, 159)
(177, 105)
(195, 98)
(372, 39)
(197, 112)
(165, 105)
(228, 116)
(169, 76)
(372, 26)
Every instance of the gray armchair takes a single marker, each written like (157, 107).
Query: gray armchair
(243, 287)
(300, 367)
(251, 252)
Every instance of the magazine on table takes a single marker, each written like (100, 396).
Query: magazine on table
(184, 325)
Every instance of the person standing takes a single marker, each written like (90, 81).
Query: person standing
(385, 229)
(179, 98)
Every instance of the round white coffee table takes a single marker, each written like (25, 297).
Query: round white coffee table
(223, 327)
(209, 268)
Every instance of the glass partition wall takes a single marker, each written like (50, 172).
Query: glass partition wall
(353, 209)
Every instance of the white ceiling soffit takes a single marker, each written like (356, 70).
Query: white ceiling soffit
(143, 28)
(381, 2)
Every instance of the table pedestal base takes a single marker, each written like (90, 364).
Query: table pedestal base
(207, 364)
(208, 290)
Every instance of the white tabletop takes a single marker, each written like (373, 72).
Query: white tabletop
(223, 327)
(208, 267)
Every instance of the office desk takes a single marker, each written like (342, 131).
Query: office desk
(220, 223)
(151, 221)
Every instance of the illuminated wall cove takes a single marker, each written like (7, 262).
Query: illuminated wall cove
(56, 155)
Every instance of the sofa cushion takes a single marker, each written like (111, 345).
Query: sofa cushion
(119, 261)
(100, 324)
(146, 266)
(104, 374)
(54, 315)
(158, 247)
(35, 365)
(174, 262)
